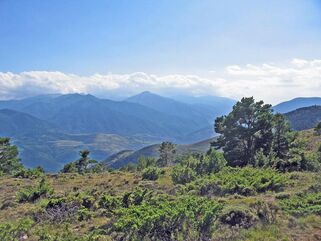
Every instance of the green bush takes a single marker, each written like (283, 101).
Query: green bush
(244, 181)
(238, 217)
(31, 194)
(302, 204)
(12, 231)
(183, 174)
(165, 219)
(151, 173)
(84, 214)
(31, 173)
(191, 166)
(109, 202)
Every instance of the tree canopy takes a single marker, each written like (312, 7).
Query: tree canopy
(250, 128)
(9, 161)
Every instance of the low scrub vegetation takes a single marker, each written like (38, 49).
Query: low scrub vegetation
(302, 204)
(31, 194)
(244, 181)
(258, 181)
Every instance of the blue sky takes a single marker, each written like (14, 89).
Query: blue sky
(162, 37)
(165, 36)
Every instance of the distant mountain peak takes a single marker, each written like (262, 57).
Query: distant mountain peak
(146, 94)
(297, 103)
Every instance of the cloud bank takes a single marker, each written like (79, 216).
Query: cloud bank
(270, 82)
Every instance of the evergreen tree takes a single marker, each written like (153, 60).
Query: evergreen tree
(167, 151)
(244, 131)
(282, 136)
(9, 160)
(81, 165)
(83, 162)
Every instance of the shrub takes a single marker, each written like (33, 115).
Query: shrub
(84, 214)
(165, 219)
(109, 202)
(151, 173)
(266, 211)
(183, 174)
(145, 162)
(18, 230)
(58, 210)
(238, 217)
(136, 197)
(31, 172)
(244, 181)
(31, 194)
(10, 163)
(302, 204)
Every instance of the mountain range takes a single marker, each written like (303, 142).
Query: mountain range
(297, 103)
(50, 130)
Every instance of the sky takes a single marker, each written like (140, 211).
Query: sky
(267, 49)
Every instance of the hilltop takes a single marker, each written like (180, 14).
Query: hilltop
(304, 118)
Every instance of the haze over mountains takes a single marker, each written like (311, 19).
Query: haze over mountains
(51, 129)
(297, 103)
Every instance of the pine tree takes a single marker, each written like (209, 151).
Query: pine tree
(9, 160)
(167, 151)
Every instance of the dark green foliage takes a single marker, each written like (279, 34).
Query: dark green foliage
(167, 151)
(244, 181)
(302, 204)
(31, 194)
(145, 162)
(212, 162)
(83, 165)
(9, 162)
(253, 135)
(151, 173)
(283, 137)
(165, 219)
(84, 214)
(31, 172)
(245, 130)
(109, 202)
(183, 174)
(136, 197)
(65, 233)
(191, 167)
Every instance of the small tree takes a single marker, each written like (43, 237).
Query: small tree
(167, 151)
(9, 161)
(82, 165)
(317, 129)
(83, 162)
(282, 136)
(145, 162)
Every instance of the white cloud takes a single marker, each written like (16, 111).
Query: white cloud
(270, 82)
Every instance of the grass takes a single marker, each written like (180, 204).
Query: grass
(287, 226)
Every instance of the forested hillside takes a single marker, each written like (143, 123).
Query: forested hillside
(305, 118)
(259, 180)
(51, 129)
